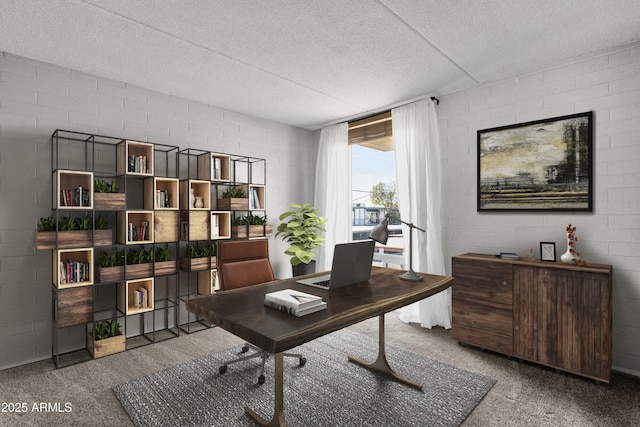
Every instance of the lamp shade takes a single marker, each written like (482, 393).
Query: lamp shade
(380, 232)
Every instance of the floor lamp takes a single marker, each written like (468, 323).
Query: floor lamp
(380, 234)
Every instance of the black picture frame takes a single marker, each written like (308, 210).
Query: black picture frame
(542, 165)
(548, 251)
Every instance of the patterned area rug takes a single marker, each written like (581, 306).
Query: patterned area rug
(327, 391)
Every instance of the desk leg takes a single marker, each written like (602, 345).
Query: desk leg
(278, 412)
(381, 365)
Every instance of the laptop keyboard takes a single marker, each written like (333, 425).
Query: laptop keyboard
(323, 283)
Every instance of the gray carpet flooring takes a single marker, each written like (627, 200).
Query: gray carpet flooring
(327, 391)
(524, 395)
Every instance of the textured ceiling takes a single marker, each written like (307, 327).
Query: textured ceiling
(309, 63)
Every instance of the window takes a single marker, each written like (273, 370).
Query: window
(374, 177)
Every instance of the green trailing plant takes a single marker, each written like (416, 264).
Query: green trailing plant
(233, 193)
(196, 250)
(106, 329)
(301, 230)
(47, 223)
(102, 186)
(250, 220)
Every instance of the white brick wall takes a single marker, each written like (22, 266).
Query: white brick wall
(37, 98)
(608, 85)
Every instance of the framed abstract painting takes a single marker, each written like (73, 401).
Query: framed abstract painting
(542, 165)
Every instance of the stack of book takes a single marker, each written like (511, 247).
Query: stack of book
(294, 302)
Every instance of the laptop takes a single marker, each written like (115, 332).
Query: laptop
(351, 264)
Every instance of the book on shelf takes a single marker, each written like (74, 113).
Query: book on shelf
(295, 300)
(296, 312)
(215, 228)
(508, 255)
(141, 298)
(254, 203)
(216, 168)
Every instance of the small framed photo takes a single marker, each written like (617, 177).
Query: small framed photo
(548, 251)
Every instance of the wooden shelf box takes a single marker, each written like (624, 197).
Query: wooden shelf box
(161, 193)
(135, 296)
(200, 189)
(109, 201)
(220, 225)
(234, 203)
(208, 282)
(73, 239)
(134, 158)
(214, 167)
(251, 231)
(197, 264)
(194, 225)
(72, 189)
(165, 227)
(73, 306)
(256, 197)
(107, 346)
(135, 227)
(72, 267)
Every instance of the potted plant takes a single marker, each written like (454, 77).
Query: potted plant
(250, 226)
(107, 196)
(233, 199)
(68, 232)
(301, 230)
(139, 263)
(199, 257)
(106, 338)
(162, 262)
(110, 266)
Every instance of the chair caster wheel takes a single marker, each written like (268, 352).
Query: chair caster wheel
(222, 369)
(303, 361)
(261, 379)
(244, 349)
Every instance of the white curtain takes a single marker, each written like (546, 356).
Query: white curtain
(419, 182)
(333, 189)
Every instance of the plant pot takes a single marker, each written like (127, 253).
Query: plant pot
(303, 269)
(137, 271)
(73, 239)
(109, 274)
(109, 201)
(247, 231)
(233, 204)
(107, 346)
(164, 268)
(197, 264)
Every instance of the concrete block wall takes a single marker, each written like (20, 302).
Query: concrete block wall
(35, 99)
(608, 85)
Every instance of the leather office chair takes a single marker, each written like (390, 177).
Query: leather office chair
(244, 263)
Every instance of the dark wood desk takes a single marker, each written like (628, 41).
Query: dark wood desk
(242, 312)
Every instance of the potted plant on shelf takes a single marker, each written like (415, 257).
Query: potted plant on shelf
(199, 257)
(233, 199)
(72, 232)
(106, 338)
(250, 226)
(301, 230)
(107, 196)
(139, 263)
(110, 266)
(162, 262)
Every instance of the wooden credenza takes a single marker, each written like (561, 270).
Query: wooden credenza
(555, 314)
